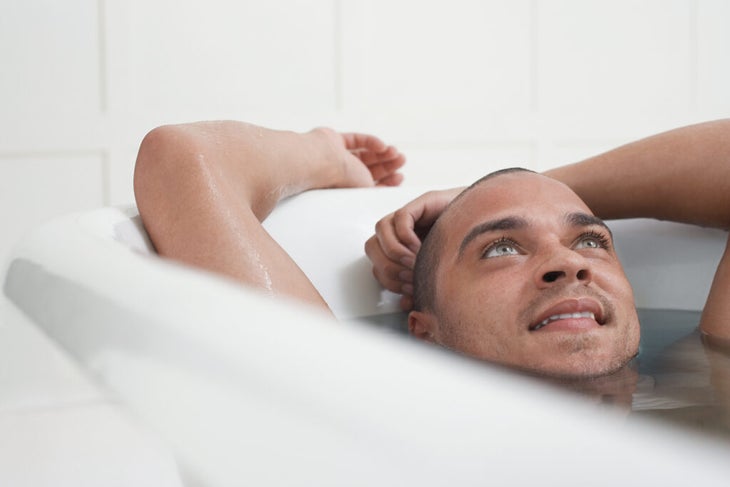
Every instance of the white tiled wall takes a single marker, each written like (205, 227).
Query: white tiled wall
(462, 87)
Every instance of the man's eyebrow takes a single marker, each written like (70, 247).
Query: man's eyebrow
(586, 220)
(507, 223)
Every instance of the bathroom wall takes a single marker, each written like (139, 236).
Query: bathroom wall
(463, 86)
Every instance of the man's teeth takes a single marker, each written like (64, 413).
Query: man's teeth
(565, 316)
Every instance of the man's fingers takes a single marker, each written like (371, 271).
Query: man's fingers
(370, 157)
(392, 180)
(385, 168)
(356, 141)
(390, 242)
(404, 226)
(392, 275)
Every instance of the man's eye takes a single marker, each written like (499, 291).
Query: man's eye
(499, 249)
(592, 242)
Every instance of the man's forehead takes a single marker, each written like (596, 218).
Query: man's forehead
(529, 196)
(517, 179)
(519, 189)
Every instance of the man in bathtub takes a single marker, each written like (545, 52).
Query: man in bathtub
(518, 269)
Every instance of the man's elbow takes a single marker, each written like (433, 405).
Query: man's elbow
(161, 158)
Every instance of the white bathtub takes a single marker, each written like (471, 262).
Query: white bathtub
(248, 391)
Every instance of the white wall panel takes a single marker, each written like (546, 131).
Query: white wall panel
(480, 84)
(620, 63)
(713, 64)
(230, 58)
(51, 74)
(428, 69)
(36, 188)
(121, 172)
(435, 166)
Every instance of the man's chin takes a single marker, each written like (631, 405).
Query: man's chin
(576, 368)
(595, 353)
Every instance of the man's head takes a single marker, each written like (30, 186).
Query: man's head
(518, 271)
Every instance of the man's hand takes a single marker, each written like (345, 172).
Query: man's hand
(364, 160)
(398, 237)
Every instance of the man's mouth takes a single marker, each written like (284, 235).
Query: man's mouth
(565, 316)
(572, 314)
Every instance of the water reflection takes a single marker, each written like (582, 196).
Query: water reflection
(677, 377)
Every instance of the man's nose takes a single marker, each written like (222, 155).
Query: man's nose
(561, 266)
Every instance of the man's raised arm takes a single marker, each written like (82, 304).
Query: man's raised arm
(203, 189)
(681, 175)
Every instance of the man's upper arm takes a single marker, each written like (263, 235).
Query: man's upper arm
(716, 315)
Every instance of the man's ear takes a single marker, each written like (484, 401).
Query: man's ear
(423, 325)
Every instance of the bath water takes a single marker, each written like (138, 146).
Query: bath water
(674, 379)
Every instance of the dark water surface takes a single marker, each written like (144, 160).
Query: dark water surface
(680, 379)
(675, 378)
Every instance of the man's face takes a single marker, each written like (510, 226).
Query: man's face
(528, 278)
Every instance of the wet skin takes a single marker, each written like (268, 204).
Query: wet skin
(529, 278)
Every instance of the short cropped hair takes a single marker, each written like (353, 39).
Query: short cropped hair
(429, 255)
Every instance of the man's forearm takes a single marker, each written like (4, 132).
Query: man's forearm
(681, 175)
